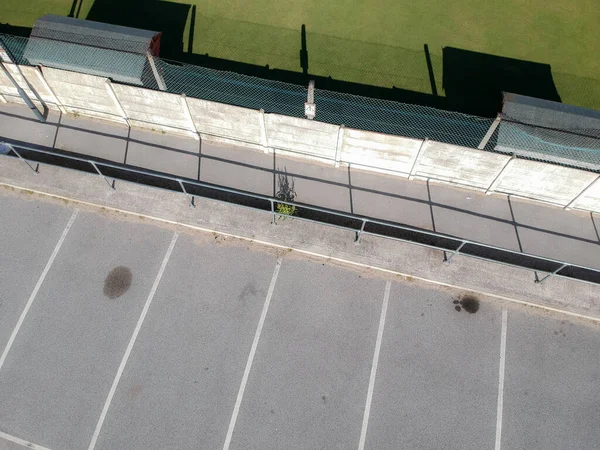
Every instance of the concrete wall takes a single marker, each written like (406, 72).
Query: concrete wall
(27, 78)
(376, 151)
(98, 97)
(459, 165)
(159, 111)
(83, 94)
(229, 123)
(589, 199)
(541, 181)
(308, 137)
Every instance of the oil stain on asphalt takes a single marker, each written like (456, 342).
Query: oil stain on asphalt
(468, 302)
(117, 282)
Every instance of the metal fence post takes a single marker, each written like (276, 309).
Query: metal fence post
(2, 98)
(37, 167)
(553, 273)
(489, 133)
(40, 76)
(111, 185)
(264, 140)
(310, 109)
(274, 222)
(414, 168)
(188, 115)
(359, 233)
(455, 252)
(192, 204)
(159, 80)
(112, 94)
(339, 146)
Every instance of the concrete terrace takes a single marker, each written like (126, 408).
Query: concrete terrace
(499, 220)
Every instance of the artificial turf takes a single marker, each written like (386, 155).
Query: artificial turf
(371, 42)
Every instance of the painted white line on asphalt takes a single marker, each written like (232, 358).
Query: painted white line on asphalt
(22, 442)
(134, 336)
(365, 423)
(37, 287)
(501, 379)
(261, 322)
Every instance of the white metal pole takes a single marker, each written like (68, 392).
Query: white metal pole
(112, 94)
(188, 115)
(420, 153)
(40, 75)
(489, 133)
(339, 147)
(263, 130)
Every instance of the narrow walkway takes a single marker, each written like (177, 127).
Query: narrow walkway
(497, 220)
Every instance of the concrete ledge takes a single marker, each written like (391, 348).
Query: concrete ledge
(460, 165)
(545, 182)
(225, 121)
(308, 137)
(403, 259)
(378, 151)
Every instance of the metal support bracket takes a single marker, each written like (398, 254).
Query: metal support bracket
(192, 202)
(111, 185)
(455, 252)
(274, 221)
(551, 274)
(37, 166)
(360, 232)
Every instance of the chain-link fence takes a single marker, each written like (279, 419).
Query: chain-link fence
(576, 148)
(250, 92)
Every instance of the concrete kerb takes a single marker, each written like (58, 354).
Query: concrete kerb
(313, 240)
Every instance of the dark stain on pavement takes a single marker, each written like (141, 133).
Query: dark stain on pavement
(249, 290)
(117, 282)
(468, 302)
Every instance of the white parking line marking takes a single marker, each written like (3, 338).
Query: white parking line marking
(501, 379)
(261, 322)
(134, 336)
(22, 442)
(365, 423)
(37, 287)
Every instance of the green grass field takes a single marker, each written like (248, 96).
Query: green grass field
(374, 42)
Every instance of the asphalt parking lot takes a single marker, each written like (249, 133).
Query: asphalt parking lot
(117, 332)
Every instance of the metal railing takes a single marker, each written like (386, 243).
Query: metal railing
(360, 225)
